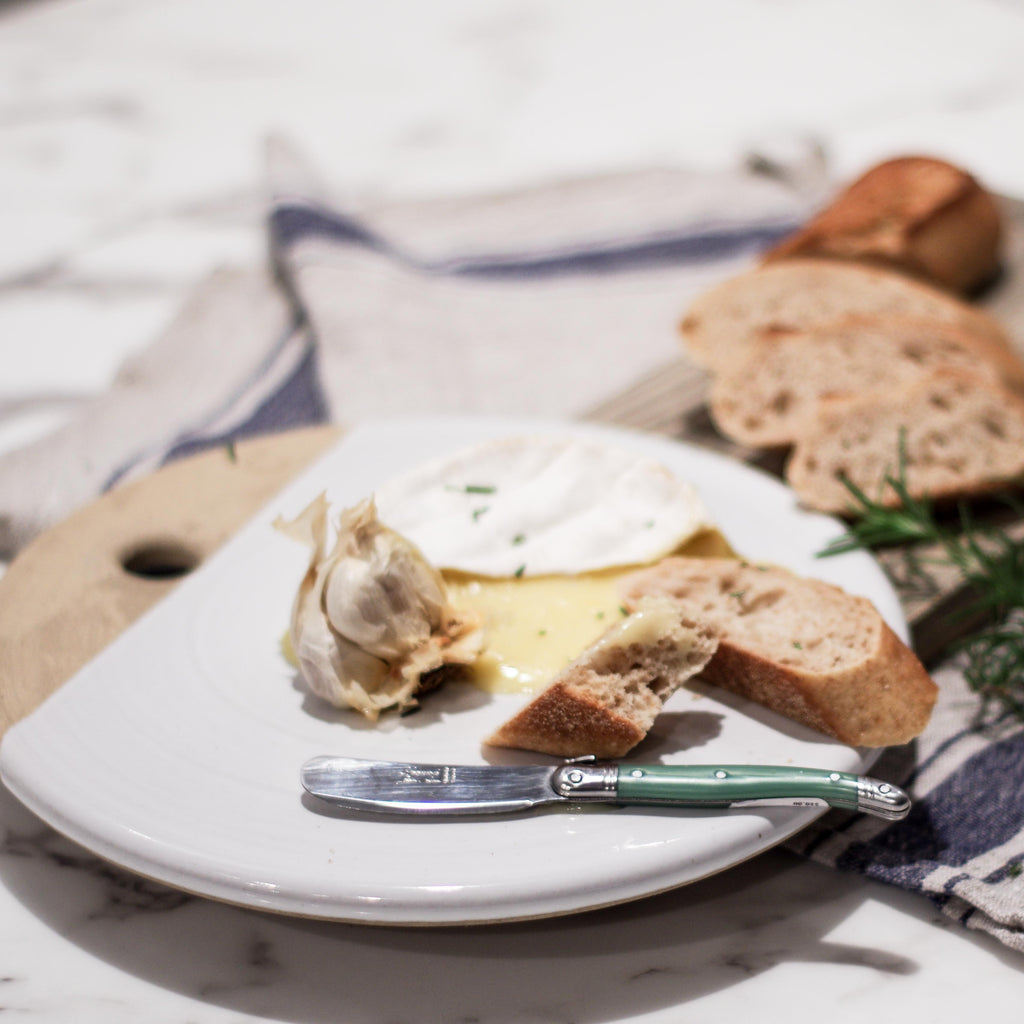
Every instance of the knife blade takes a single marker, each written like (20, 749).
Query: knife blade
(393, 787)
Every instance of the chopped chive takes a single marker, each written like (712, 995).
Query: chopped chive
(738, 594)
(478, 512)
(519, 572)
(472, 488)
(519, 538)
(232, 453)
(799, 646)
(623, 609)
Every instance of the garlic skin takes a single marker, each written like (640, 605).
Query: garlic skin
(382, 593)
(371, 616)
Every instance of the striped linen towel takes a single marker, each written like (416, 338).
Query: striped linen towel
(544, 301)
(962, 845)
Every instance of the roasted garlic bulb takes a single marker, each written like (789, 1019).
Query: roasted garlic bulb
(371, 616)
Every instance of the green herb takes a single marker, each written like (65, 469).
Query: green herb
(799, 646)
(623, 609)
(600, 615)
(471, 488)
(519, 572)
(1015, 870)
(738, 594)
(988, 561)
(478, 512)
(519, 538)
(542, 632)
(231, 452)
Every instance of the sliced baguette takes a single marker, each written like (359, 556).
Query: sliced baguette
(803, 648)
(962, 435)
(795, 295)
(914, 214)
(606, 701)
(765, 398)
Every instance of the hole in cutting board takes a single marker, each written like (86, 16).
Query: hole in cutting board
(159, 560)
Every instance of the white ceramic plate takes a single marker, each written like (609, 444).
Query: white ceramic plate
(176, 752)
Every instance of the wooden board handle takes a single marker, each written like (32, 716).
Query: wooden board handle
(71, 591)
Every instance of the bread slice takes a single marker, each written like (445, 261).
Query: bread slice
(803, 648)
(791, 296)
(914, 214)
(962, 435)
(605, 702)
(764, 399)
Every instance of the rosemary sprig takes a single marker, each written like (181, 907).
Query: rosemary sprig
(995, 657)
(987, 560)
(879, 524)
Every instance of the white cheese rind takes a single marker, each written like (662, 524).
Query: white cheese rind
(538, 505)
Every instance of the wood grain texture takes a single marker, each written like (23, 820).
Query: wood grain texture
(69, 594)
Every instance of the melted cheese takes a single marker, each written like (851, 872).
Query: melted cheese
(649, 622)
(536, 625)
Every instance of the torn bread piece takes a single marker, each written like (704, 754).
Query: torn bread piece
(605, 702)
(804, 648)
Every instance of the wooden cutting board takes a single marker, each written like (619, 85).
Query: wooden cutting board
(76, 587)
(70, 592)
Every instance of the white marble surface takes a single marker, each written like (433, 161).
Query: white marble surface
(131, 140)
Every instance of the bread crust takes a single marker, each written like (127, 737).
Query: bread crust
(881, 698)
(791, 296)
(605, 702)
(566, 722)
(914, 214)
(893, 702)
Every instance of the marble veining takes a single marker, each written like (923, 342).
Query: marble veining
(123, 894)
(74, 923)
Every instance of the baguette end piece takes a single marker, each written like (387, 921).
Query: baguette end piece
(913, 214)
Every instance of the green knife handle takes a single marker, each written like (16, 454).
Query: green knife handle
(728, 785)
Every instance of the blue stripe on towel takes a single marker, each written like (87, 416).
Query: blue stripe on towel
(298, 402)
(951, 825)
(292, 223)
(295, 399)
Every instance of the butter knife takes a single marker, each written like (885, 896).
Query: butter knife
(392, 787)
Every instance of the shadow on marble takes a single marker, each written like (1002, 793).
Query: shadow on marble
(600, 966)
